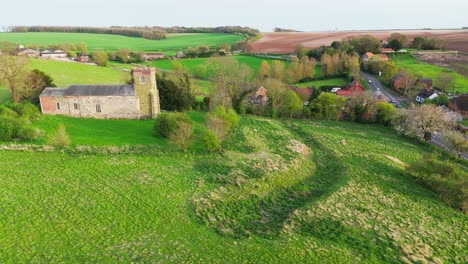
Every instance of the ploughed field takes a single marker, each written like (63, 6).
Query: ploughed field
(282, 191)
(286, 42)
(107, 42)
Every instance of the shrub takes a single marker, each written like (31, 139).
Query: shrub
(182, 135)
(211, 142)
(7, 112)
(27, 110)
(6, 128)
(29, 133)
(59, 139)
(168, 122)
(18, 124)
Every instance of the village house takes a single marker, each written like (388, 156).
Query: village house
(82, 57)
(425, 95)
(259, 97)
(27, 52)
(366, 57)
(459, 104)
(387, 51)
(369, 55)
(120, 101)
(152, 56)
(55, 54)
(353, 88)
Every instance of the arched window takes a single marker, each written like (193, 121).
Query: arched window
(142, 79)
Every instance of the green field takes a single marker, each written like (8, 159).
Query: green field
(407, 61)
(338, 82)
(282, 192)
(114, 42)
(191, 64)
(66, 73)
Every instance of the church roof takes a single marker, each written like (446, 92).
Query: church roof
(91, 90)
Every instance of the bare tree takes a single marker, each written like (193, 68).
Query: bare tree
(181, 137)
(407, 81)
(13, 71)
(264, 71)
(276, 94)
(278, 70)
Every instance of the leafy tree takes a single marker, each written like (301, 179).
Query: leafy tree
(389, 70)
(385, 113)
(326, 64)
(60, 138)
(301, 51)
(34, 84)
(445, 81)
(123, 55)
(168, 122)
(264, 71)
(175, 93)
(439, 100)
(329, 105)
(276, 90)
(13, 71)
(397, 41)
(295, 71)
(82, 48)
(278, 70)
(308, 67)
(407, 82)
(292, 104)
(181, 136)
(366, 43)
(418, 43)
(456, 142)
(100, 58)
(361, 105)
(395, 44)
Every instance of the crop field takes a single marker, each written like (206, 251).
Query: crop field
(114, 42)
(407, 61)
(282, 192)
(338, 82)
(66, 73)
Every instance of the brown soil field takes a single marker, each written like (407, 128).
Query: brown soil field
(285, 42)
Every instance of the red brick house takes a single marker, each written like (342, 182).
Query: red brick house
(459, 104)
(83, 58)
(353, 88)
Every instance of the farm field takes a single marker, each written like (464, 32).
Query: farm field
(66, 73)
(407, 61)
(109, 42)
(191, 64)
(338, 82)
(290, 192)
(286, 42)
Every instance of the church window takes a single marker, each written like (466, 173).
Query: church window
(58, 106)
(75, 105)
(142, 79)
(98, 108)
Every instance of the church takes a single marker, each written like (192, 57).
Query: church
(119, 101)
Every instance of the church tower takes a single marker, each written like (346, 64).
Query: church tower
(144, 83)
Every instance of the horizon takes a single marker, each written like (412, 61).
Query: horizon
(312, 16)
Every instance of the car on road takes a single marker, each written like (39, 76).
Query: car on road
(393, 101)
(370, 81)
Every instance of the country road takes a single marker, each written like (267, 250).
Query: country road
(378, 89)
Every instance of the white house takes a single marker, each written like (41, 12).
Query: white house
(426, 94)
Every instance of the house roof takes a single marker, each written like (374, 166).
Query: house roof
(369, 54)
(396, 77)
(461, 102)
(91, 90)
(383, 56)
(426, 94)
(354, 87)
(387, 50)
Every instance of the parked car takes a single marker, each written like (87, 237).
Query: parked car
(334, 90)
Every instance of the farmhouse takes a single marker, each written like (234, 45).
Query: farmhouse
(426, 94)
(369, 55)
(459, 104)
(54, 54)
(83, 58)
(27, 52)
(259, 97)
(140, 100)
(353, 88)
(153, 56)
(366, 57)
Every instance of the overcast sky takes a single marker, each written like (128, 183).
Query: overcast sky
(305, 15)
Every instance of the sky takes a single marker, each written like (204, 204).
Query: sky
(311, 15)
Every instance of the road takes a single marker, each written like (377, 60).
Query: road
(378, 88)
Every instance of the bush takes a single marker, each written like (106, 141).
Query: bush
(18, 124)
(168, 122)
(27, 110)
(59, 139)
(182, 135)
(29, 134)
(7, 112)
(6, 128)
(211, 142)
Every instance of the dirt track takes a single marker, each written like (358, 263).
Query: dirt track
(285, 42)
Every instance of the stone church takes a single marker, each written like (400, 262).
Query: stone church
(120, 101)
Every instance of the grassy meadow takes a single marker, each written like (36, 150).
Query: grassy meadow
(282, 192)
(66, 73)
(338, 82)
(407, 61)
(109, 42)
(5, 94)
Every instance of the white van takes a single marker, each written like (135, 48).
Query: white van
(334, 90)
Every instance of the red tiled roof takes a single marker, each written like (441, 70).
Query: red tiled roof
(354, 87)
